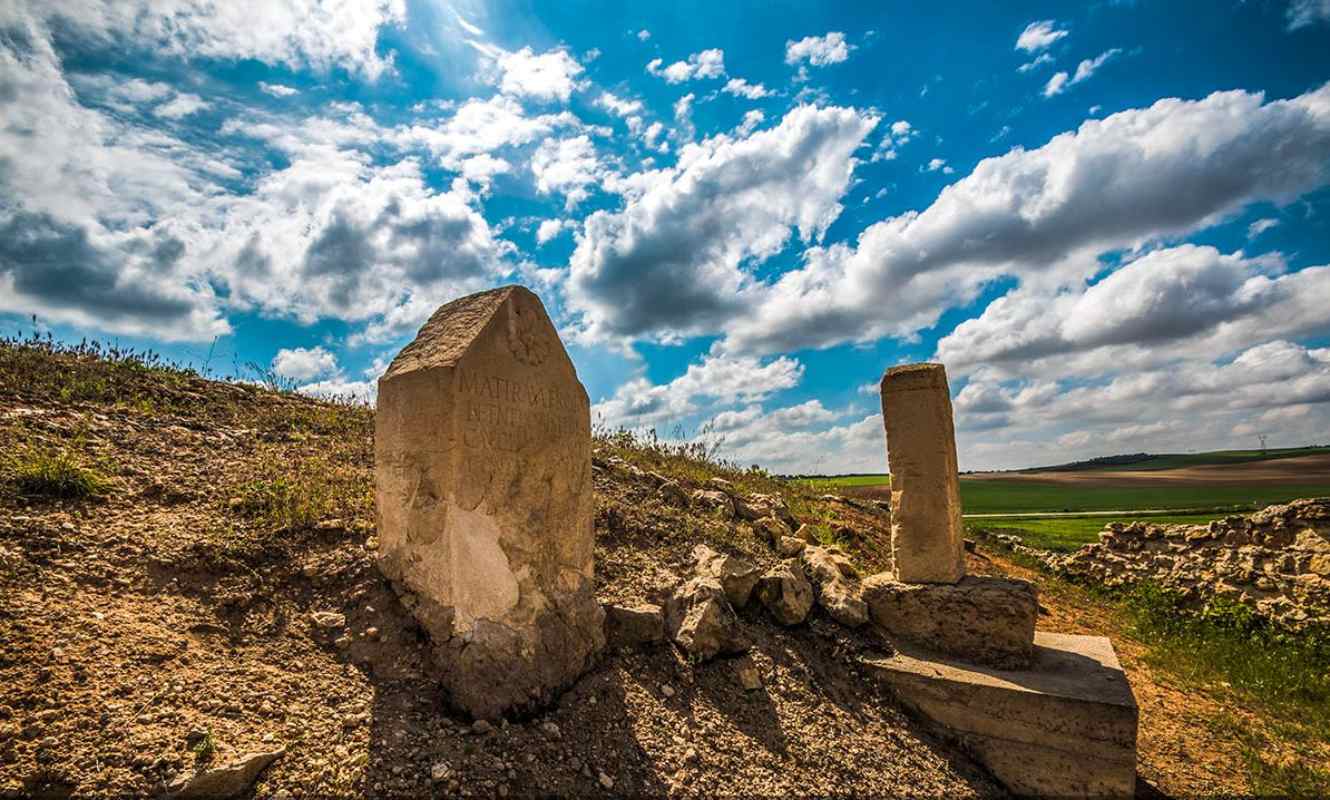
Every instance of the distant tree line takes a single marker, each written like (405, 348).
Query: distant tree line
(1092, 463)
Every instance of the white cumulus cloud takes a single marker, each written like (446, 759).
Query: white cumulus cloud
(1039, 35)
(818, 50)
(1044, 214)
(277, 89)
(550, 228)
(304, 364)
(670, 259)
(713, 379)
(699, 66)
(182, 105)
(566, 166)
(1184, 301)
(742, 88)
(545, 76)
(298, 33)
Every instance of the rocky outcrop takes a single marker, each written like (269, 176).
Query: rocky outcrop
(786, 593)
(836, 585)
(757, 506)
(1277, 560)
(715, 502)
(771, 530)
(737, 576)
(699, 619)
(634, 626)
(672, 494)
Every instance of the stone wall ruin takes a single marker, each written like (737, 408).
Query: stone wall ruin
(1277, 560)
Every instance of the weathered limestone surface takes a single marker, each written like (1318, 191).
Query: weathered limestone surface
(983, 619)
(836, 585)
(634, 626)
(737, 576)
(1065, 727)
(218, 782)
(699, 618)
(786, 593)
(483, 486)
(927, 542)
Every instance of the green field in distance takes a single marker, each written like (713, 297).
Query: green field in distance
(1018, 496)
(1022, 496)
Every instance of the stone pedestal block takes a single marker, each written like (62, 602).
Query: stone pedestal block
(1064, 727)
(483, 486)
(982, 619)
(927, 542)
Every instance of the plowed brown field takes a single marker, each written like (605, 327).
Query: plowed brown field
(1304, 469)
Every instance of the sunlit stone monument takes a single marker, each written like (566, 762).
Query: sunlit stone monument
(483, 485)
(927, 542)
(1050, 715)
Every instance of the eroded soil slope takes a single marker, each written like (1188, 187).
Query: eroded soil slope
(167, 622)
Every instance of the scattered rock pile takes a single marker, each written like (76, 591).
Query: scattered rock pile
(1276, 560)
(700, 615)
(836, 585)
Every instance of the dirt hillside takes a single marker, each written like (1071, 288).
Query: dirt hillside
(164, 617)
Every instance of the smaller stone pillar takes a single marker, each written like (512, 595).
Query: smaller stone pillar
(927, 542)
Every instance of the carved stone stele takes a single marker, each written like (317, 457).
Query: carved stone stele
(483, 488)
(927, 541)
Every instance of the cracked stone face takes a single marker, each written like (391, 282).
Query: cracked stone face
(483, 487)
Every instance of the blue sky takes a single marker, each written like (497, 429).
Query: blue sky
(1110, 221)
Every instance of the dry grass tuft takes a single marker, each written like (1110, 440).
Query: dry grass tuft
(54, 474)
(286, 495)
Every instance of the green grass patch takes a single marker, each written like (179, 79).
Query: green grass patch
(1298, 772)
(840, 481)
(301, 494)
(1227, 641)
(1000, 496)
(1287, 674)
(54, 474)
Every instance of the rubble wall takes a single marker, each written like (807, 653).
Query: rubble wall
(1276, 560)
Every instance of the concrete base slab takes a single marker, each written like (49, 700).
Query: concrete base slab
(1064, 727)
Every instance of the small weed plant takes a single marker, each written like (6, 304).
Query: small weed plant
(695, 457)
(206, 747)
(54, 474)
